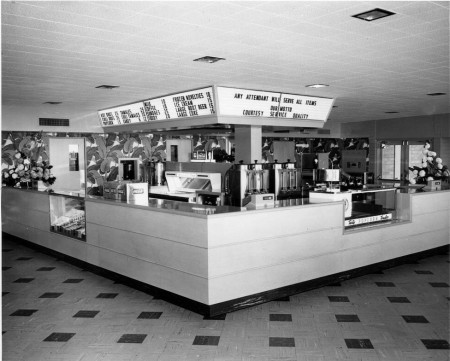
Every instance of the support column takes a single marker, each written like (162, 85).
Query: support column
(248, 146)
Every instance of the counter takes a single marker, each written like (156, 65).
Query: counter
(216, 263)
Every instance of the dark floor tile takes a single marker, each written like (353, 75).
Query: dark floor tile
(24, 258)
(347, 318)
(23, 280)
(23, 312)
(338, 299)
(281, 342)
(385, 284)
(336, 284)
(150, 315)
(439, 284)
(107, 295)
(218, 317)
(436, 344)
(86, 314)
(398, 300)
(415, 319)
(206, 340)
(46, 269)
(59, 337)
(282, 317)
(132, 338)
(420, 272)
(358, 343)
(5, 268)
(50, 295)
(283, 299)
(73, 280)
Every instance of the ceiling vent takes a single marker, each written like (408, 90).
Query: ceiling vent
(53, 122)
(106, 86)
(374, 14)
(209, 59)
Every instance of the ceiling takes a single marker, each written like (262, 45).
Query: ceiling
(60, 51)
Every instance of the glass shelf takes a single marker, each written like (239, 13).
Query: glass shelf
(67, 216)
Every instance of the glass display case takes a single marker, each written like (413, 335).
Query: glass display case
(371, 206)
(67, 216)
(362, 206)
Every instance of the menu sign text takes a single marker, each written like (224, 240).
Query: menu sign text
(192, 103)
(253, 103)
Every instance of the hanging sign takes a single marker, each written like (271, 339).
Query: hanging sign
(247, 103)
(192, 103)
(253, 103)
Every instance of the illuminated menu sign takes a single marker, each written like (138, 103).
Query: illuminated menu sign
(253, 103)
(192, 103)
(131, 113)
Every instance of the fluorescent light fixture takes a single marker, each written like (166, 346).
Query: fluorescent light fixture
(372, 15)
(106, 86)
(316, 86)
(209, 59)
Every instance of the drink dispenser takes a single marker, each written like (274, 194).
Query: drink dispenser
(285, 180)
(256, 175)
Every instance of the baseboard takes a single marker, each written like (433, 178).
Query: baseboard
(238, 303)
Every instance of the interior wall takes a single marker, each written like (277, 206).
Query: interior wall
(26, 118)
(67, 180)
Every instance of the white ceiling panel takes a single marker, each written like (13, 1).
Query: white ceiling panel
(63, 49)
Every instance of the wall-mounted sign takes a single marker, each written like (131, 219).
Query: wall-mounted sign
(253, 103)
(192, 103)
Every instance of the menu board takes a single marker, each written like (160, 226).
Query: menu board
(247, 103)
(304, 107)
(192, 103)
(253, 103)
(125, 114)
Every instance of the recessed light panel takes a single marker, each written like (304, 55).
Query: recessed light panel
(374, 14)
(209, 59)
(317, 85)
(106, 86)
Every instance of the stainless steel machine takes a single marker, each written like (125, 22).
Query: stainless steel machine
(243, 180)
(285, 180)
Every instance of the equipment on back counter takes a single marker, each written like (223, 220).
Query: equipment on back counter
(133, 192)
(243, 180)
(285, 180)
(129, 169)
(154, 173)
(182, 186)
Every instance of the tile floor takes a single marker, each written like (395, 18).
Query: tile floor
(53, 310)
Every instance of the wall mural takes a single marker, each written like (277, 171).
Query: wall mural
(104, 150)
(319, 145)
